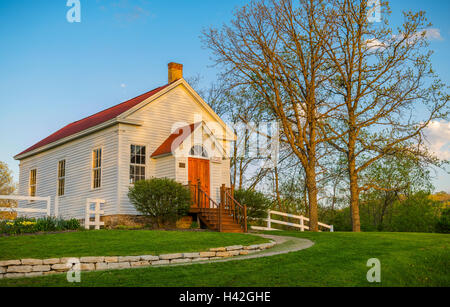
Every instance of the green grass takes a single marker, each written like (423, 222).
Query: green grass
(337, 259)
(116, 243)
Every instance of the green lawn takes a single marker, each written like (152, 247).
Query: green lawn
(337, 259)
(116, 243)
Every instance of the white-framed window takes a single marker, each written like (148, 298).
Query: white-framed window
(137, 163)
(61, 178)
(97, 168)
(33, 182)
(198, 151)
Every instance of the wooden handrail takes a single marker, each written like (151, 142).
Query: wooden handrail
(200, 198)
(228, 204)
(238, 211)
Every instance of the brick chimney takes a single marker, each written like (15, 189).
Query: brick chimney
(175, 72)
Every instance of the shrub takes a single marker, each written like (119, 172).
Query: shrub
(162, 199)
(257, 203)
(416, 214)
(46, 224)
(340, 219)
(72, 224)
(443, 225)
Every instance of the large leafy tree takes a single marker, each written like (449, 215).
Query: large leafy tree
(272, 47)
(384, 88)
(331, 76)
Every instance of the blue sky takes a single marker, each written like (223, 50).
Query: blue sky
(53, 72)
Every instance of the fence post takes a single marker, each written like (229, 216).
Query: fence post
(332, 228)
(269, 221)
(87, 218)
(245, 219)
(190, 191)
(221, 205)
(302, 224)
(97, 212)
(56, 213)
(97, 215)
(49, 206)
(199, 185)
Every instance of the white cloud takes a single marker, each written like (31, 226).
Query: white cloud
(438, 136)
(375, 44)
(430, 34)
(134, 13)
(433, 34)
(123, 85)
(126, 10)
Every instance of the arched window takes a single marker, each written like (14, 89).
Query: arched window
(199, 151)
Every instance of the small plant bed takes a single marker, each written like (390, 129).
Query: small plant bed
(117, 243)
(22, 226)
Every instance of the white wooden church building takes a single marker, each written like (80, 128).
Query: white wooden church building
(168, 132)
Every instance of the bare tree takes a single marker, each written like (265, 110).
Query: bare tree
(384, 88)
(237, 105)
(272, 46)
(7, 187)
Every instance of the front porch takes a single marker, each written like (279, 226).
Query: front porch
(226, 216)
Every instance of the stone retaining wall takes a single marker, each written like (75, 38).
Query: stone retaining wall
(36, 267)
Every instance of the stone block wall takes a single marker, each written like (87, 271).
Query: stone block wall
(41, 267)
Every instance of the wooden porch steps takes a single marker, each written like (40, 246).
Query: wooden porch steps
(226, 216)
(210, 217)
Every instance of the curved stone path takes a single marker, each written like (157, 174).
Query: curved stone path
(284, 245)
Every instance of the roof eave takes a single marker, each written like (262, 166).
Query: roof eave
(162, 155)
(78, 135)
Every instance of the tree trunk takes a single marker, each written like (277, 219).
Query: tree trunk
(352, 171)
(277, 189)
(354, 197)
(312, 198)
(235, 161)
(241, 175)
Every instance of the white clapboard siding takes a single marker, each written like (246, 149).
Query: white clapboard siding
(165, 167)
(216, 182)
(78, 156)
(182, 175)
(226, 172)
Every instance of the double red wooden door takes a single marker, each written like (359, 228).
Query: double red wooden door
(199, 170)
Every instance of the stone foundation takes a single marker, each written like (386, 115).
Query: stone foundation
(113, 221)
(37, 267)
(185, 222)
(137, 221)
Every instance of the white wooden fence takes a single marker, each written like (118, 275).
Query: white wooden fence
(97, 212)
(47, 210)
(301, 224)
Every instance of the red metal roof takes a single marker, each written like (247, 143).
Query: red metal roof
(166, 146)
(94, 120)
